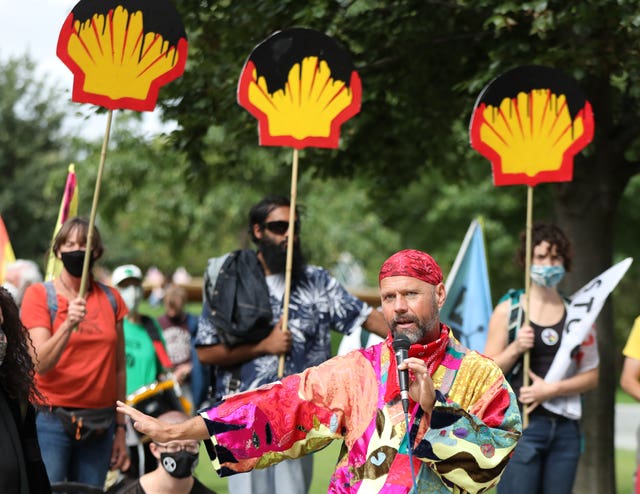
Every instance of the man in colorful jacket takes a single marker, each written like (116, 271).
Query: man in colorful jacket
(463, 420)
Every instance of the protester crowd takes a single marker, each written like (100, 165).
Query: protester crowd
(458, 424)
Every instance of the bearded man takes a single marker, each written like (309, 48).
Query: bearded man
(456, 434)
(240, 329)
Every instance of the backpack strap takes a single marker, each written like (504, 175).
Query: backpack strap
(514, 321)
(52, 299)
(156, 338)
(516, 313)
(109, 293)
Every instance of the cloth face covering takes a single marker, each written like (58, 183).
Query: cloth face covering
(73, 262)
(179, 465)
(132, 296)
(547, 276)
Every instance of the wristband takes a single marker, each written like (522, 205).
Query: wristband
(121, 425)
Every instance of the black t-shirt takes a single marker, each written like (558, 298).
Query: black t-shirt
(546, 343)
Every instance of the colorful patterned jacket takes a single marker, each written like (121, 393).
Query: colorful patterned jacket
(465, 446)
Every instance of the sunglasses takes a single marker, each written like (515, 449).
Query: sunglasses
(281, 227)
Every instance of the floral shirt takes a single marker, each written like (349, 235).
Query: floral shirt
(462, 447)
(317, 304)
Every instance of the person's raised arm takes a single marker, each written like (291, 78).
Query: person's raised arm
(48, 347)
(275, 343)
(497, 347)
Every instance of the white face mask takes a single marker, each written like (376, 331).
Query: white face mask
(132, 295)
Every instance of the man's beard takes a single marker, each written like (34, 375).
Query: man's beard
(275, 257)
(423, 328)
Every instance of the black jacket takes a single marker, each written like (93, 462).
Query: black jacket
(239, 299)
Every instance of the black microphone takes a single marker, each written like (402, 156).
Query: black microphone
(401, 346)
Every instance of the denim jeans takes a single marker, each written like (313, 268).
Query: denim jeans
(545, 459)
(67, 459)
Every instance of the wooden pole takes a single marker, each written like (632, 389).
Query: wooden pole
(290, 239)
(94, 206)
(527, 295)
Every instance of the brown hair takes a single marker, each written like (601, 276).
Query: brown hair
(82, 226)
(552, 234)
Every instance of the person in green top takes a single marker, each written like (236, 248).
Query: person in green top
(146, 357)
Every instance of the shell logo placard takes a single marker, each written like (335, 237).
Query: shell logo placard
(122, 51)
(301, 86)
(530, 122)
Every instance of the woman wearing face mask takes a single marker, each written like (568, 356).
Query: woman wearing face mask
(546, 457)
(78, 353)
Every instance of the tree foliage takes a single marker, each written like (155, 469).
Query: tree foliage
(404, 175)
(422, 65)
(31, 148)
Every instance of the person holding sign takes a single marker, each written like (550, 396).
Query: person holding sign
(546, 458)
(459, 427)
(78, 353)
(245, 346)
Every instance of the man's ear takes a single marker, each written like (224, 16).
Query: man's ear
(441, 294)
(155, 451)
(257, 231)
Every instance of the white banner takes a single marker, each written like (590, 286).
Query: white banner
(582, 312)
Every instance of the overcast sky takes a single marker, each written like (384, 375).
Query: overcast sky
(33, 26)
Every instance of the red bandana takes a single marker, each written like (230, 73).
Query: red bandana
(431, 353)
(413, 263)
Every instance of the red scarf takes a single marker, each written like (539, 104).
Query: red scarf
(432, 354)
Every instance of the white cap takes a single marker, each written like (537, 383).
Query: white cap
(121, 273)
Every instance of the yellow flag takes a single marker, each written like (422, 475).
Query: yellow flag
(68, 209)
(6, 251)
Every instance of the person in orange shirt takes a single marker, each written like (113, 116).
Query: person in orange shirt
(78, 352)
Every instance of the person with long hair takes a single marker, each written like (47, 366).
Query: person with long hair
(21, 468)
(78, 353)
(546, 458)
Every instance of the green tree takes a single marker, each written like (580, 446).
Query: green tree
(423, 64)
(32, 156)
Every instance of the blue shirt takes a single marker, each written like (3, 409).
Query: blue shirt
(317, 304)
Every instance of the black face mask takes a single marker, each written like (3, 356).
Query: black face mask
(179, 465)
(73, 261)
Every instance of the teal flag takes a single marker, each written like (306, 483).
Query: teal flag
(468, 306)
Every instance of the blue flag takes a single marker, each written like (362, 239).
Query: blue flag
(468, 306)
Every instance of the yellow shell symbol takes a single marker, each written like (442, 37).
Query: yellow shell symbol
(307, 106)
(531, 132)
(118, 59)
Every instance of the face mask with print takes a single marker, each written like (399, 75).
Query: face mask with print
(3, 345)
(179, 465)
(132, 296)
(547, 276)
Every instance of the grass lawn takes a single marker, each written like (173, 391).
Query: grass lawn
(325, 461)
